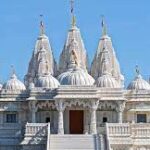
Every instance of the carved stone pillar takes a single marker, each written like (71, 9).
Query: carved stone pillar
(33, 110)
(93, 126)
(60, 107)
(120, 109)
(86, 124)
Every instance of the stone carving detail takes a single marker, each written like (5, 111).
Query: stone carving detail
(46, 104)
(10, 106)
(120, 106)
(33, 109)
(33, 105)
(77, 102)
(107, 105)
(60, 105)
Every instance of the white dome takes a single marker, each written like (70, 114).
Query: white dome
(107, 81)
(13, 84)
(47, 81)
(75, 76)
(139, 84)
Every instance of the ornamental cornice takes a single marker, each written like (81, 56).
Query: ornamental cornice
(8, 106)
(46, 104)
(76, 96)
(107, 105)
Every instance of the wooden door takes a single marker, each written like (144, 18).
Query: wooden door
(76, 121)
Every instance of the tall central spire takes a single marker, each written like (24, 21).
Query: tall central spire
(74, 39)
(73, 21)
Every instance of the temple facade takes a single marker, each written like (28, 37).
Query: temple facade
(69, 105)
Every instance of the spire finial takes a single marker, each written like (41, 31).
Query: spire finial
(73, 22)
(42, 30)
(137, 70)
(13, 70)
(104, 28)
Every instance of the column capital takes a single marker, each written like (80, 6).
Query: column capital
(33, 105)
(120, 106)
(60, 105)
(94, 104)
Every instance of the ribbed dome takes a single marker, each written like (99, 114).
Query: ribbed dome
(47, 81)
(75, 76)
(139, 84)
(107, 81)
(13, 84)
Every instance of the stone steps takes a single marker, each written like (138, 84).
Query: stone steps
(74, 142)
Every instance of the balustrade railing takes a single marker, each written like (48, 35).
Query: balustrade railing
(137, 130)
(38, 129)
(119, 129)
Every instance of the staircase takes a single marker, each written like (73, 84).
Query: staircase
(75, 142)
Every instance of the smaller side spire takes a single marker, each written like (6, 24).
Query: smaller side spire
(42, 28)
(73, 21)
(104, 27)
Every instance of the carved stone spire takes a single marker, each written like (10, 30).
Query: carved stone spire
(42, 60)
(96, 67)
(73, 34)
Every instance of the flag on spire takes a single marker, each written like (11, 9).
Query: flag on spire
(137, 70)
(104, 28)
(72, 6)
(41, 25)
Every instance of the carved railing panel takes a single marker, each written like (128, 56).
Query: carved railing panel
(131, 130)
(38, 129)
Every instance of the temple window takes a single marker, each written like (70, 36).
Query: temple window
(47, 120)
(11, 118)
(141, 118)
(104, 119)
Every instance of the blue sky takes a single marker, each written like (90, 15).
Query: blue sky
(128, 24)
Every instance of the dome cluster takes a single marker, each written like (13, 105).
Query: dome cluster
(43, 71)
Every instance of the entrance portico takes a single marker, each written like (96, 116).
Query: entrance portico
(77, 123)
